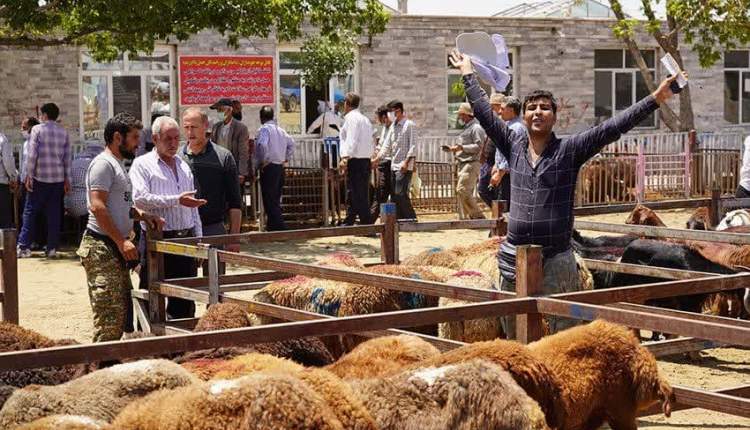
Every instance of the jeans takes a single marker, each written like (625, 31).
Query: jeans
(401, 184)
(271, 187)
(46, 199)
(383, 187)
(357, 184)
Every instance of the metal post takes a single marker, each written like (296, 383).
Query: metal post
(640, 178)
(714, 211)
(689, 149)
(326, 222)
(155, 260)
(213, 275)
(389, 238)
(9, 276)
(529, 276)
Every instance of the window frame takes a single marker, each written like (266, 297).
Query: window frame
(740, 71)
(452, 71)
(145, 114)
(634, 72)
(303, 96)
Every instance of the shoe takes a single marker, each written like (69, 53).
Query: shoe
(52, 253)
(23, 253)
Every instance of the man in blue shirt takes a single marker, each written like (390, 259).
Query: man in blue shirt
(543, 173)
(273, 149)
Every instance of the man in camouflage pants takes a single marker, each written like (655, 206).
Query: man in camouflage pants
(106, 250)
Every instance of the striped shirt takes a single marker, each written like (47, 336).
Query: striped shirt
(156, 190)
(403, 143)
(356, 136)
(75, 200)
(48, 156)
(8, 171)
(541, 210)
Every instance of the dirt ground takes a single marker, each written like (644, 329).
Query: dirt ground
(53, 301)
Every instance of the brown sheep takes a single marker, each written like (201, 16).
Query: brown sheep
(99, 395)
(17, 338)
(337, 395)
(641, 215)
(221, 316)
(464, 396)
(533, 375)
(382, 356)
(258, 401)
(606, 375)
(475, 330)
(66, 422)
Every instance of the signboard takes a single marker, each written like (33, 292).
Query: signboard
(205, 79)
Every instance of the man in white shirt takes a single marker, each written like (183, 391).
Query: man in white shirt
(163, 185)
(356, 149)
(8, 181)
(743, 189)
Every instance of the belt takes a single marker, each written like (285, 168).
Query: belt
(171, 234)
(130, 264)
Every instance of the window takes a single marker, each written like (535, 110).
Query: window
(618, 83)
(140, 84)
(456, 94)
(737, 87)
(297, 103)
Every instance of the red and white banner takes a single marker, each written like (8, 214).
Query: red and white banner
(207, 78)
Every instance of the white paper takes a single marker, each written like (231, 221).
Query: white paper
(674, 69)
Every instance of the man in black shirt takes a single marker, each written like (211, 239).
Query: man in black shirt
(543, 174)
(215, 173)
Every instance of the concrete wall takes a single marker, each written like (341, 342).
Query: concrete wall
(407, 62)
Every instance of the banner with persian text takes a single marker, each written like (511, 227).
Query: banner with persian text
(207, 78)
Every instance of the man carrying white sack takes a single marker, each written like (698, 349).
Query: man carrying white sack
(543, 174)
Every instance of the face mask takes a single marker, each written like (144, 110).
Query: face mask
(25, 134)
(392, 116)
(461, 122)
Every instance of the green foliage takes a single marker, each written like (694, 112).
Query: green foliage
(109, 27)
(324, 57)
(458, 89)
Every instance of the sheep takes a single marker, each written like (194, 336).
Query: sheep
(99, 395)
(434, 257)
(339, 397)
(470, 330)
(16, 338)
(606, 375)
(66, 422)
(258, 401)
(309, 351)
(340, 259)
(382, 356)
(532, 374)
(5, 392)
(471, 395)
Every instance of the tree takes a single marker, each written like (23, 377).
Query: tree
(109, 27)
(709, 27)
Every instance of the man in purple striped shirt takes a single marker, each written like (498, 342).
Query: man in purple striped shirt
(163, 185)
(47, 179)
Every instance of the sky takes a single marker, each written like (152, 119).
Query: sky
(487, 7)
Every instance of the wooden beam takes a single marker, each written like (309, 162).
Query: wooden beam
(664, 232)
(718, 402)
(353, 276)
(681, 345)
(648, 321)
(274, 236)
(682, 314)
(727, 205)
(627, 207)
(637, 269)
(157, 312)
(658, 290)
(9, 276)
(140, 311)
(680, 395)
(389, 238)
(529, 277)
(213, 276)
(468, 224)
(165, 247)
(265, 275)
(103, 351)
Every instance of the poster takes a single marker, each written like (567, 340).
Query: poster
(207, 78)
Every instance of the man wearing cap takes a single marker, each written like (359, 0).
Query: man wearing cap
(232, 135)
(467, 156)
(487, 156)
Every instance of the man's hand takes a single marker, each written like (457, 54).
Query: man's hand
(188, 199)
(128, 250)
(13, 186)
(343, 165)
(66, 186)
(663, 93)
(234, 247)
(374, 163)
(461, 62)
(405, 167)
(29, 183)
(457, 148)
(153, 221)
(241, 179)
(497, 177)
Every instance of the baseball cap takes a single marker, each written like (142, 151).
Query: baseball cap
(224, 101)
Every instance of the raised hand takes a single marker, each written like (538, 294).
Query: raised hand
(461, 62)
(664, 92)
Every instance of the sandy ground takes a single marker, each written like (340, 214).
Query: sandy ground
(53, 301)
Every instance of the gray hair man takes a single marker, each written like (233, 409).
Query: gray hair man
(163, 184)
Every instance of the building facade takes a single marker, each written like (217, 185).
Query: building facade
(579, 60)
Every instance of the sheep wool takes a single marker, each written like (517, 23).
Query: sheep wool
(470, 330)
(343, 260)
(241, 365)
(383, 356)
(221, 316)
(99, 395)
(606, 375)
(17, 338)
(258, 401)
(464, 396)
(66, 422)
(434, 257)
